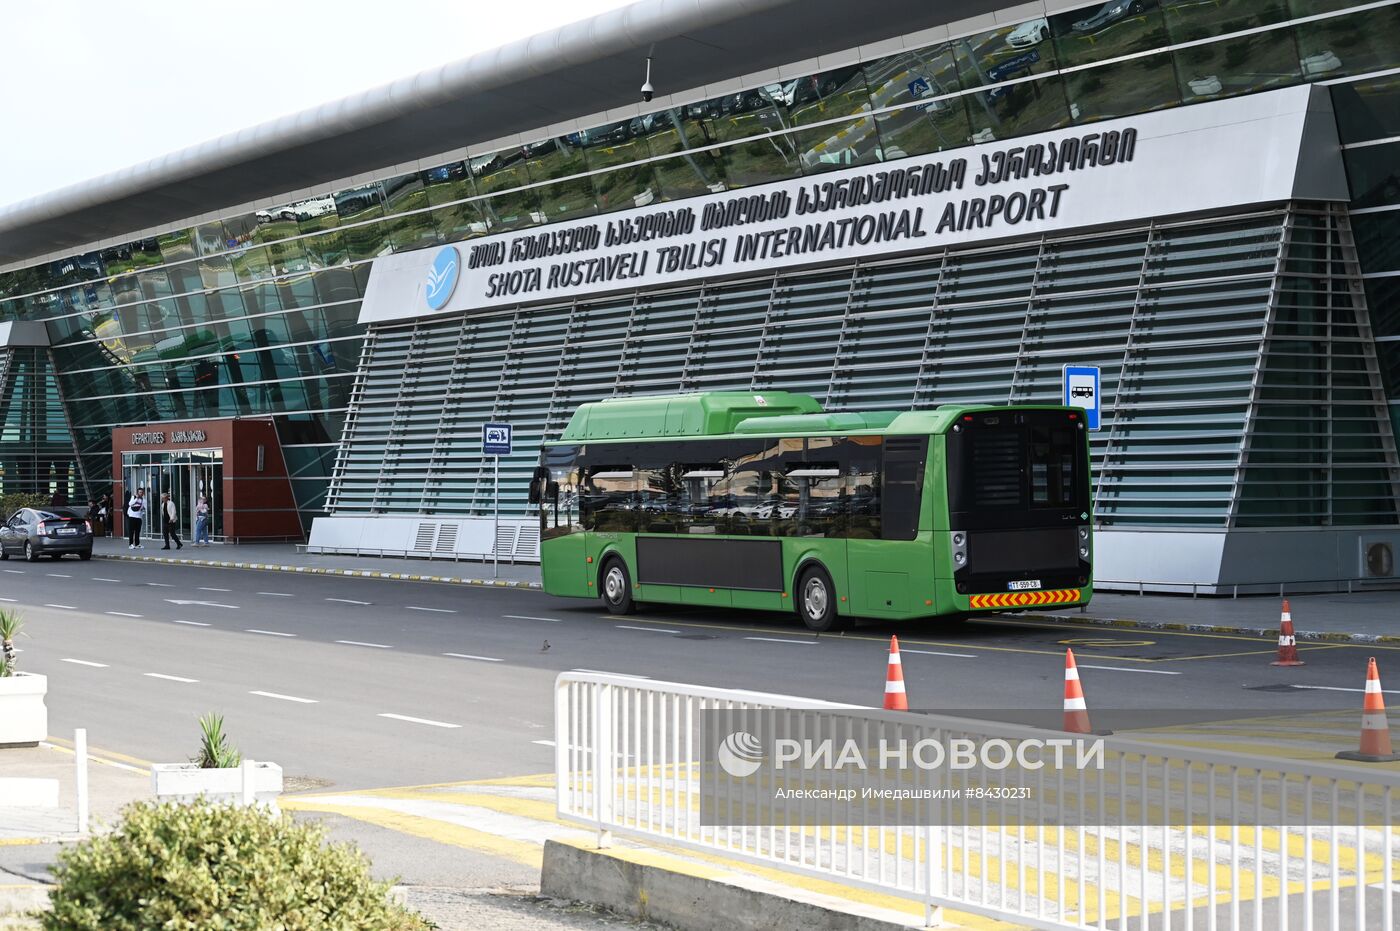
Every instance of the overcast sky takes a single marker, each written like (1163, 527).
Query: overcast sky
(89, 86)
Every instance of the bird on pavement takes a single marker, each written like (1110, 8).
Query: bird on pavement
(545, 648)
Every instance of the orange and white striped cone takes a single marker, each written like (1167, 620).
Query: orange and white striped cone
(1076, 712)
(1375, 729)
(895, 699)
(1287, 643)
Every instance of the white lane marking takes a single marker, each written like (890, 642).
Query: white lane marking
(64, 607)
(604, 672)
(437, 610)
(160, 675)
(350, 601)
(1338, 688)
(361, 643)
(484, 659)
(411, 720)
(193, 623)
(96, 579)
(10, 600)
(526, 617)
(1155, 672)
(805, 643)
(277, 594)
(543, 743)
(280, 696)
(14, 571)
(57, 575)
(84, 662)
(650, 630)
(161, 584)
(270, 633)
(204, 604)
(123, 614)
(938, 653)
(203, 589)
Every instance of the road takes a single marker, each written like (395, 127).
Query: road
(360, 683)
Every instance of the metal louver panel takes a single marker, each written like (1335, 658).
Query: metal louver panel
(1206, 331)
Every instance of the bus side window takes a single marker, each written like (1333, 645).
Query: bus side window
(861, 461)
(903, 486)
(609, 499)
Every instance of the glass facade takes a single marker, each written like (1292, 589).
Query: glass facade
(256, 313)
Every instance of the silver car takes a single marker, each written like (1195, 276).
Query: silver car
(35, 532)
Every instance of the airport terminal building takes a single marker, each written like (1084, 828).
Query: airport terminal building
(887, 205)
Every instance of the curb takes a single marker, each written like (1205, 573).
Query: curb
(1326, 636)
(321, 570)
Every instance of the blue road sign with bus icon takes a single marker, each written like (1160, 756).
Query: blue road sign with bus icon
(495, 439)
(1081, 389)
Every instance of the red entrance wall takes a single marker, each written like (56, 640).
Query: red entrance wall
(257, 505)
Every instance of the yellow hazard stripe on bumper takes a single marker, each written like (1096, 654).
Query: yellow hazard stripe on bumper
(1055, 596)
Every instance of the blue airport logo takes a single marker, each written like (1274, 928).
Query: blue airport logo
(442, 277)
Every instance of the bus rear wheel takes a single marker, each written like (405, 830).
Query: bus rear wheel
(616, 587)
(816, 600)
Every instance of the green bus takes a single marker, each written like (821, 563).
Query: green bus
(766, 502)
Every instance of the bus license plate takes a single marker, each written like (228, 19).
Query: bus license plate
(1024, 584)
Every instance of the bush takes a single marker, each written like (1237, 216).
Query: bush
(16, 500)
(203, 866)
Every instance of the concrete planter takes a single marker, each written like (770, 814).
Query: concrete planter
(24, 718)
(186, 782)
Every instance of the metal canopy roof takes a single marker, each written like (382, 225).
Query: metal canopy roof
(579, 69)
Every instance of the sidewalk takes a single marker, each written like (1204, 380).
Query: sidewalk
(286, 557)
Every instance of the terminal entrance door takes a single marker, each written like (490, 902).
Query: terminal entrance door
(186, 475)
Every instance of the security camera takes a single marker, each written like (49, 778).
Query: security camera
(647, 90)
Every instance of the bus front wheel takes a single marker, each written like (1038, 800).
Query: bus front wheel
(816, 600)
(616, 587)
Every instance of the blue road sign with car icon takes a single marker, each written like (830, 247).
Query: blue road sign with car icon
(495, 439)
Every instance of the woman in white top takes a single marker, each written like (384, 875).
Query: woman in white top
(201, 522)
(135, 514)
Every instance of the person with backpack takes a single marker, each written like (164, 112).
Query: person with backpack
(135, 514)
(170, 522)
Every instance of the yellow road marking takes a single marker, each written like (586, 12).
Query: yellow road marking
(96, 755)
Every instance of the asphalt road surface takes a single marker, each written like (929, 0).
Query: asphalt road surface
(359, 683)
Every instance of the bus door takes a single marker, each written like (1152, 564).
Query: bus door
(891, 572)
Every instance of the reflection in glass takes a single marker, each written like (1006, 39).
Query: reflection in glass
(1238, 66)
(932, 126)
(1192, 20)
(560, 158)
(677, 132)
(1374, 175)
(1123, 88)
(505, 172)
(1014, 110)
(1378, 240)
(1368, 109)
(1352, 44)
(1109, 30)
(619, 146)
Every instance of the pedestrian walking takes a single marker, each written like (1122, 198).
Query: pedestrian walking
(104, 516)
(170, 522)
(201, 522)
(135, 514)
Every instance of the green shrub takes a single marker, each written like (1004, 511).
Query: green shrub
(16, 500)
(209, 867)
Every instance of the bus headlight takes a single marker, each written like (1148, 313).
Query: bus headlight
(1083, 534)
(958, 539)
(960, 558)
(1084, 552)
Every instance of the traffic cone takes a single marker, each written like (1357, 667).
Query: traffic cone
(895, 699)
(1076, 712)
(1287, 643)
(1375, 730)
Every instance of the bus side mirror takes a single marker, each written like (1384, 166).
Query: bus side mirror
(551, 491)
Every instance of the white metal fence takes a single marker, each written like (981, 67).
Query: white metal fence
(1159, 855)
